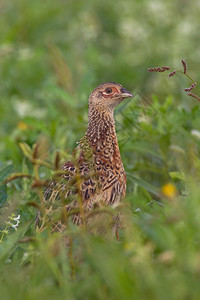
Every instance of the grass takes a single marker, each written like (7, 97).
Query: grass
(52, 54)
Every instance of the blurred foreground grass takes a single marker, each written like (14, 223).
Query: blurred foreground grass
(52, 54)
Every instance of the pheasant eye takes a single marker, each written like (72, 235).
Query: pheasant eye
(108, 91)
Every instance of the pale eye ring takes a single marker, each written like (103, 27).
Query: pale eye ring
(109, 91)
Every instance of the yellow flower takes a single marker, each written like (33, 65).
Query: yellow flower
(129, 246)
(169, 190)
(21, 125)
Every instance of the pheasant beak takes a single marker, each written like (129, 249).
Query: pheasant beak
(125, 93)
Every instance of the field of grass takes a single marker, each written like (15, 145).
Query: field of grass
(52, 55)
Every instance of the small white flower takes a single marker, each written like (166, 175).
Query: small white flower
(15, 226)
(137, 209)
(17, 218)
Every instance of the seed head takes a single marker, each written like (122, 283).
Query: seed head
(191, 87)
(194, 96)
(184, 66)
(165, 68)
(159, 69)
(172, 73)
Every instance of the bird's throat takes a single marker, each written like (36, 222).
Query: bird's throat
(101, 123)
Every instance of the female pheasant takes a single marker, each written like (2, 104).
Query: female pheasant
(97, 176)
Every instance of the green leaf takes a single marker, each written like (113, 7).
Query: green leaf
(26, 149)
(5, 171)
(142, 183)
(3, 195)
(177, 175)
(146, 148)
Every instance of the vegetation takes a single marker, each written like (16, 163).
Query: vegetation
(52, 54)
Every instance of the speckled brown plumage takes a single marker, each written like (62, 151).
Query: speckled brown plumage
(97, 175)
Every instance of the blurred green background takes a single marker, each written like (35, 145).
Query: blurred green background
(52, 55)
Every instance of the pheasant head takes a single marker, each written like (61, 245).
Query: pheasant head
(108, 95)
(102, 102)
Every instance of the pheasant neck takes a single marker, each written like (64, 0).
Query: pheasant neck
(101, 123)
